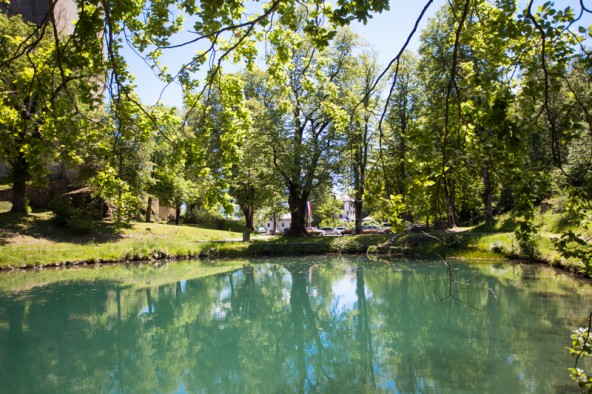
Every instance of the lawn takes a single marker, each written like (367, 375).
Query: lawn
(35, 240)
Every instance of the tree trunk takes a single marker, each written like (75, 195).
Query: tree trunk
(297, 202)
(359, 170)
(358, 205)
(20, 176)
(249, 212)
(149, 210)
(178, 214)
(487, 194)
(450, 204)
(274, 219)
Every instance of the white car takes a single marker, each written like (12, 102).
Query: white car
(315, 231)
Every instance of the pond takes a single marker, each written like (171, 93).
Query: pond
(315, 324)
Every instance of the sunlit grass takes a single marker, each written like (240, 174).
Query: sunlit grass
(35, 240)
(27, 241)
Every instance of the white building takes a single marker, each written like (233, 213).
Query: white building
(348, 213)
(348, 210)
(282, 224)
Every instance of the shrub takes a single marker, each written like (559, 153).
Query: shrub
(345, 245)
(529, 249)
(76, 219)
(498, 247)
(212, 220)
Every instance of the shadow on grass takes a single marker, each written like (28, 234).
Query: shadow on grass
(41, 225)
(495, 226)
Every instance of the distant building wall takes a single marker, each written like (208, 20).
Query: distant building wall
(36, 11)
(163, 211)
(166, 212)
(282, 224)
(348, 209)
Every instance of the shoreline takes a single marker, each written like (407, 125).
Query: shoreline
(277, 249)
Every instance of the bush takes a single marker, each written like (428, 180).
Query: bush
(529, 249)
(79, 220)
(63, 211)
(498, 247)
(346, 245)
(211, 220)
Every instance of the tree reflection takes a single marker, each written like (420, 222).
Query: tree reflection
(363, 331)
(336, 327)
(305, 340)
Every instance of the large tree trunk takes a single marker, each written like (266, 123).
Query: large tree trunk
(20, 176)
(359, 170)
(178, 214)
(149, 210)
(487, 194)
(297, 202)
(358, 205)
(275, 219)
(249, 212)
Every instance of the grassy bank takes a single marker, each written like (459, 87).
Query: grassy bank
(35, 241)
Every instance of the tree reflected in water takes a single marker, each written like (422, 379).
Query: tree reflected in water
(314, 325)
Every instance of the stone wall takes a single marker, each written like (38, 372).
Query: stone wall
(64, 13)
(40, 196)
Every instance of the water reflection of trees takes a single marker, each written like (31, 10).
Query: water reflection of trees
(270, 328)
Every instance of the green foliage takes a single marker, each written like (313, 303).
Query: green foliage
(109, 186)
(485, 119)
(581, 349)
(325, 208)
(499, 248)
(212, 219)
(79, 220)
(49, 95)
(346, 245)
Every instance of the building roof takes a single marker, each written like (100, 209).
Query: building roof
(344, 198)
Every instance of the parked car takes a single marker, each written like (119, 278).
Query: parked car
(315, 231)
(386, 228)
(347, 231)
(372, 229)
(416, 228)
(340, 229)
(260, 230)
(331, 230)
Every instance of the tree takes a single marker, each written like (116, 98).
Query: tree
(48, 91)
(361, 127)
(308, 90)
(325, 207)
(393, 183)
(253, 182)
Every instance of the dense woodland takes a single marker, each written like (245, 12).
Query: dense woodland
(492, 114)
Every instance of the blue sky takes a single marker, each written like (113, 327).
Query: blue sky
(386, 33)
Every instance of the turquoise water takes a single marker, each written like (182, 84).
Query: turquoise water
(316, 324)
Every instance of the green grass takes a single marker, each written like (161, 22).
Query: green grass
(34, 240)
(5, 205)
